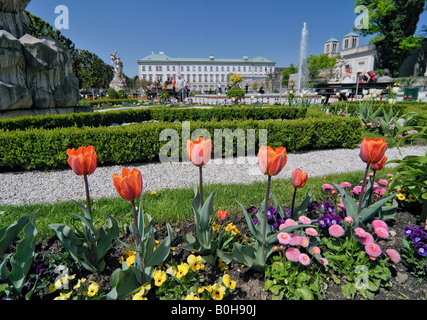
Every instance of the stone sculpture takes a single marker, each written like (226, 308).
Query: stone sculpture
(35, 74)
(118, 82)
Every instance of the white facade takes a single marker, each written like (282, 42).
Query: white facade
(355, 58)
(203, 74)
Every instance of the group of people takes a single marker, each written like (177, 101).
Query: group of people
(178, 85)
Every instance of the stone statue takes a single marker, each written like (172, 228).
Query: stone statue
(35, 74)
(337, 71)
(119, 82)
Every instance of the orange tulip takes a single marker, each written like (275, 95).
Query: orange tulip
(271, 161)
(299, 179)
(222, 214)
(379, 165)
(199, 151)
(129, 186)
(372, 150)
(82, 161)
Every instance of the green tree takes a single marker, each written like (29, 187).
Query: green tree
(393, 24)
(288, 71)
(88, 68)
(317, 63)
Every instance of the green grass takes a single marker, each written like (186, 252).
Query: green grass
(174, 205)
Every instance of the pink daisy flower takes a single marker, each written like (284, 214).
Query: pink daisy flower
(348, 219)
(359, 232)
(315, 250)
(295, 241)
(292, 254)
(311, 232)
(380, 191)
(379, 224)
(288, 223)
(394, 255)
(284, 238)
(336, 230)
(357, 190)
(304, 259)
(327, 187)
(383, 182)
(389, 175)
(373, 249)
(345, 184)
(304, 220)
(366, 238)
(382, 233)
(324, 261)
(304, 242)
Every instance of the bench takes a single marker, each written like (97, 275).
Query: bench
(333, 89)
(153, 93)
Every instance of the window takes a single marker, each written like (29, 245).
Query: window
(158, 68)
(206, 68)
(149, 68)
(354, 45)
(334, 48)
(346, 44)
(188, 68)
(328, 48)
(222, 68)
(200, 68)
(143, 68)
(194, 68)
(211, 68)
(173, 68)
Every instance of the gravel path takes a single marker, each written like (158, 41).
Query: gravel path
(55, 186)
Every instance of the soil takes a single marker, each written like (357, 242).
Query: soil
(250, 284)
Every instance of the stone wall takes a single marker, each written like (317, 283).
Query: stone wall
(34, 73)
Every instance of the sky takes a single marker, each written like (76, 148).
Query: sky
(200, 28)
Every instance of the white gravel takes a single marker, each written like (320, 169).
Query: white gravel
(55, 186)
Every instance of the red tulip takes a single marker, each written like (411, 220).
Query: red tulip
(271, 161)
(379, 165)
(82, 161)
(199, 151)
(299, 179)
(222, 214)
(372, 150)
(129, 186)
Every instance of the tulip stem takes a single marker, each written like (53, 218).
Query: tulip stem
(362, 192)
(264, 226)
(87, 195)
(293, 202)
(201, 186)
(372, 188)
(138, 238)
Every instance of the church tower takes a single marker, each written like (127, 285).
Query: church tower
(332, 47)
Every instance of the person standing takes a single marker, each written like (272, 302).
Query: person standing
(219, 86)
(180, 86)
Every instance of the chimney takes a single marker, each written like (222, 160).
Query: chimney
(245, 57)
(211, 57)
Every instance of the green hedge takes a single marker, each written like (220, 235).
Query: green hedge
(106, 101)
(401, 106)
(123, 145)
(97, 119)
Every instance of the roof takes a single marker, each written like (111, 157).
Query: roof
(162, 57)
(351, 34)
(332, 40)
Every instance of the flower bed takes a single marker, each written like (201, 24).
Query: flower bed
(345, 241)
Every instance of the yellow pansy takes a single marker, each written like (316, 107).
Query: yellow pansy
(191, 296)
(79, 283)
(412, 198)
(171, 270)
(215, 226)
(159, 277)
(92, 289)
(195, 263)
(222, 265)
(230, 284)
(400, 196)
(182, 270)
(141, 294)
(64, 296)
(201, 289)
(218, 291)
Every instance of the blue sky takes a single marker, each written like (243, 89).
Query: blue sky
(200, 28)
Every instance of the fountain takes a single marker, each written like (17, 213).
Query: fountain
(302, 68)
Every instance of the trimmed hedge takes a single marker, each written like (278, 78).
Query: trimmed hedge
(101, 119)
(401, 106)
(43, 149)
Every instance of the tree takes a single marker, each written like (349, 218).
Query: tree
(317, 63)
(88, 68)
(286, 73)
(393, 24)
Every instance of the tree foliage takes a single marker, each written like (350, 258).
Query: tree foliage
(287, 72)
(317, 63)
(88, 68)
(393, 24)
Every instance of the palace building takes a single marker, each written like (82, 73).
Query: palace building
(203, 73)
